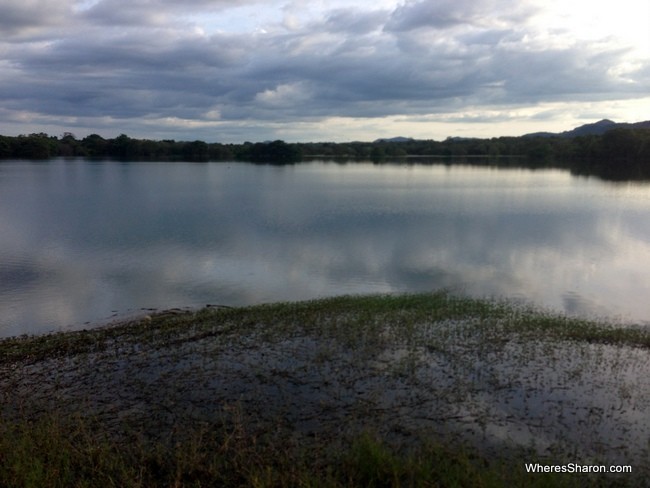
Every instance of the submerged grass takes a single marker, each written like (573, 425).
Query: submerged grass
(348, 315)
(56, 447)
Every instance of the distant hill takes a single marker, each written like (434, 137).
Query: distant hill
(595, 129)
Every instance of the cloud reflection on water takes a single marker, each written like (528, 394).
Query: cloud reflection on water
(86, 239)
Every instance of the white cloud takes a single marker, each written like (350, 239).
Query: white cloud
(288, 94)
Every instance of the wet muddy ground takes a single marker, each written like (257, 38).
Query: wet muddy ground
(456, 381)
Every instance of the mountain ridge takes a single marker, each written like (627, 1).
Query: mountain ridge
(594, 128)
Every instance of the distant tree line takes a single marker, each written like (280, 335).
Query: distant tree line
(619, 153)
(619, 145)
(123, 147)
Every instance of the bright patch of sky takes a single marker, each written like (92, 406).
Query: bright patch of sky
(623, 22)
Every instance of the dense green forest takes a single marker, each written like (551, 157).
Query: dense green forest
(620, 153)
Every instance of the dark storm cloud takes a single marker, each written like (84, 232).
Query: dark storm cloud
(154, 59)
(139, 13)
(27, 16)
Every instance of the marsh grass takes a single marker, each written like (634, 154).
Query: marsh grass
(397, 335)
(347, 318)
(59, 452)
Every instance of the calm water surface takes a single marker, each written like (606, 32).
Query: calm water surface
(82, 241)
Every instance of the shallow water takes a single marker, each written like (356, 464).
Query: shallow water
(83, 241)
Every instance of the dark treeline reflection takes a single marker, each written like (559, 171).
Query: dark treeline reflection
(618, 154)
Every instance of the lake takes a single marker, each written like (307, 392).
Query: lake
(83, 242)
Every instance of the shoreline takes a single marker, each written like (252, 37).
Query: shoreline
(499, 379)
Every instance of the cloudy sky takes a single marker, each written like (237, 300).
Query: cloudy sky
(320, 70)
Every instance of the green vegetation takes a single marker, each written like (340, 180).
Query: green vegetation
(620, 153)
(65, 453)
(319, 393)
(125, 148)
(271, 152)
(340, 317)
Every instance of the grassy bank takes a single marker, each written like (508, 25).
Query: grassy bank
(407, 390)
(65, 453)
